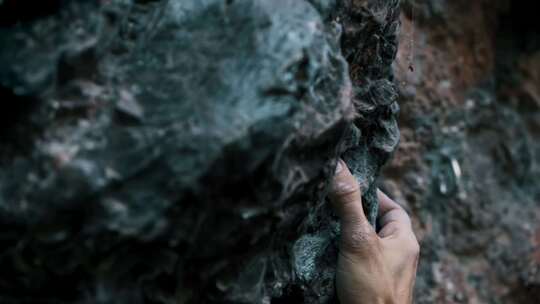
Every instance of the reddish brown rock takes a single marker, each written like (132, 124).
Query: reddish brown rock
(469, 154)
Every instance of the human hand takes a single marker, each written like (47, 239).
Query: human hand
(373, 268)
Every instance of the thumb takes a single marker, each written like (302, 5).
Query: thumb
(346, 198)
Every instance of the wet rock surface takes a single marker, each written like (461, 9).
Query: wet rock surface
(179, 151)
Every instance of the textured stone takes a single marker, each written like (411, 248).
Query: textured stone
(468, 164)
(179, 151)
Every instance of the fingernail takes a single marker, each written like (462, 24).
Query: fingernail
(339, 167)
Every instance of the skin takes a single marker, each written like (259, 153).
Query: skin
(373, 267)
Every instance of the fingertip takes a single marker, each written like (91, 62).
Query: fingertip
(339, 166)
(386, 204)
(392, 218)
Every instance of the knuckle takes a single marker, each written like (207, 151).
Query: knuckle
(359, 240)
(346, 191)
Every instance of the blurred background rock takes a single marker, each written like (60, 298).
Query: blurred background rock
(468, 162)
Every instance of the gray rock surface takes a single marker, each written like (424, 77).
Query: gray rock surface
(179, 151)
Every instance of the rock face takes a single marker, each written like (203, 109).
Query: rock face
(179, 151)
(468, 162)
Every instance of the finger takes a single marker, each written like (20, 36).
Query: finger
(357, 235)
(393, 219)
(346, 196)
(386, 204)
